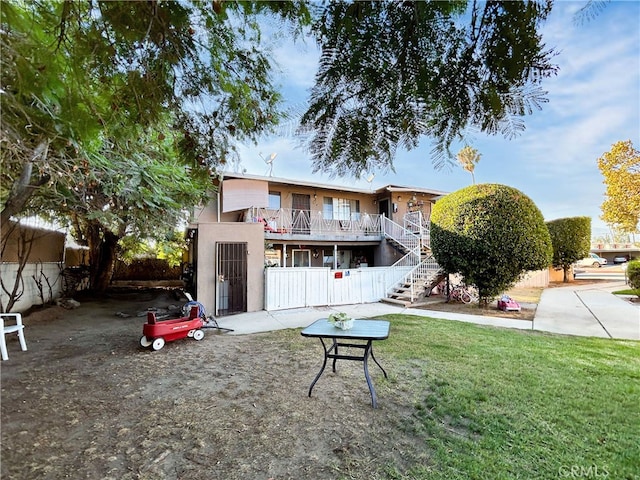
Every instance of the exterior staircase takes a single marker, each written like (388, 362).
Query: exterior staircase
(413, 276)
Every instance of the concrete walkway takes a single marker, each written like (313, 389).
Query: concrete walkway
(589, 310)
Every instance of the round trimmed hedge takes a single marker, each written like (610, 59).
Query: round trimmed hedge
(490, 234)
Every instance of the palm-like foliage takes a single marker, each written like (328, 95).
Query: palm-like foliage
(393, 72)
(468, 157)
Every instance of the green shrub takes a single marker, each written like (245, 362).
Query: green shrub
(633, 275)
(491, 234)
(146, 269)
(571, 241)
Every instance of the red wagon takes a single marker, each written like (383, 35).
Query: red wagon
(156, 332)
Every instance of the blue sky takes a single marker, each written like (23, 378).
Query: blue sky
(594, 101)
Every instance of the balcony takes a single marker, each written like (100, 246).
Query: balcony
(291, 224)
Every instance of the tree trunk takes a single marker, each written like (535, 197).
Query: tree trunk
(22, 188)
(102, 256)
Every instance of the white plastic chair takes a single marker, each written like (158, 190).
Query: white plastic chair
(17, 328)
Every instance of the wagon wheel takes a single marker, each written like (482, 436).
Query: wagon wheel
(158, 343)
(198, 335)
(145, 342)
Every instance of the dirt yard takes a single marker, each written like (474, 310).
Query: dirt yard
(87, 401)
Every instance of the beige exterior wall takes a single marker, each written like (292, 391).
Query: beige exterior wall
(404, 201)
(317, 194)
(215, 225)
(211, 233)
(410, 202)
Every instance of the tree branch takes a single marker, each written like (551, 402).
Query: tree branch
(23, 188)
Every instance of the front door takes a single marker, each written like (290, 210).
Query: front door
(231, 289)
(383, 208)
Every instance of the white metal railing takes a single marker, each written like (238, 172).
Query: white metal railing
(410, 241)
(412, 237)
(416, 223)
(307, 222)
(410, 269)
(401, 271)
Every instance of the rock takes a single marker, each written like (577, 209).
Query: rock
(68, 303)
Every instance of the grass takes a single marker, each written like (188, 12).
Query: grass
(503, 404)
(628, 291)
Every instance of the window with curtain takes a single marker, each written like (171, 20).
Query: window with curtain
(340, 209)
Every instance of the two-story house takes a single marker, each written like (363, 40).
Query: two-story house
(256, 230)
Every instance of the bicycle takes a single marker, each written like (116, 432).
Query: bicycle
(462, 293)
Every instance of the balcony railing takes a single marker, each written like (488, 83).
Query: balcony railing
(307, 222)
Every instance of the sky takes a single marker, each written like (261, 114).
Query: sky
(594, 102)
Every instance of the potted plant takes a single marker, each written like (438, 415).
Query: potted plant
(341, 320)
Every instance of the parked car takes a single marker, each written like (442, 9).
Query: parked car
(620, 259)
(592, 260)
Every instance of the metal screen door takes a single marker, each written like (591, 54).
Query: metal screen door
(301, 206)
(232, 278)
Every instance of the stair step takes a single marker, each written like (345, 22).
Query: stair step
(396, 301)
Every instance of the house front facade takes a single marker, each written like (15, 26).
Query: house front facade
(256, 225)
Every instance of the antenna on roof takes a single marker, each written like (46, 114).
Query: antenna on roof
(370, 179)
(269, 161)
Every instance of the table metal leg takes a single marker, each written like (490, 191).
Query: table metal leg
(367, 351)
(332, 352)
(324, 364)
(374, 359)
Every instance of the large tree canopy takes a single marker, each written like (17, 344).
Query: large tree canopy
(392, 73)
(620, 168)
(115, 112)
(78, 75)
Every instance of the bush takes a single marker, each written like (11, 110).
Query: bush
(146, 269)
(571, 240)
(633, 275)
(491, 234)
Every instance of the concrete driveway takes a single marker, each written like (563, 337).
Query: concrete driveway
(588, 310)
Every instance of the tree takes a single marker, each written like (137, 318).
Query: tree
(490, 234)
(468, 157)
(620, 167)
(571, 241)
(633, 276)
(128, 107)
(393, 72)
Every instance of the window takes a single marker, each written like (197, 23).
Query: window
(301, 258)
(274, 200)
(340, 209)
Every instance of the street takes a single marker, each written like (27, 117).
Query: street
(606, 272)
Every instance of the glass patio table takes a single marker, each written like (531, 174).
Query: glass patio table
(363, 331)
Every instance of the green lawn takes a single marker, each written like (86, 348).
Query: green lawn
(628, 291)
(503, 404)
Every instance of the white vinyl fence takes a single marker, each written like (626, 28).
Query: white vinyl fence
(311, 287)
